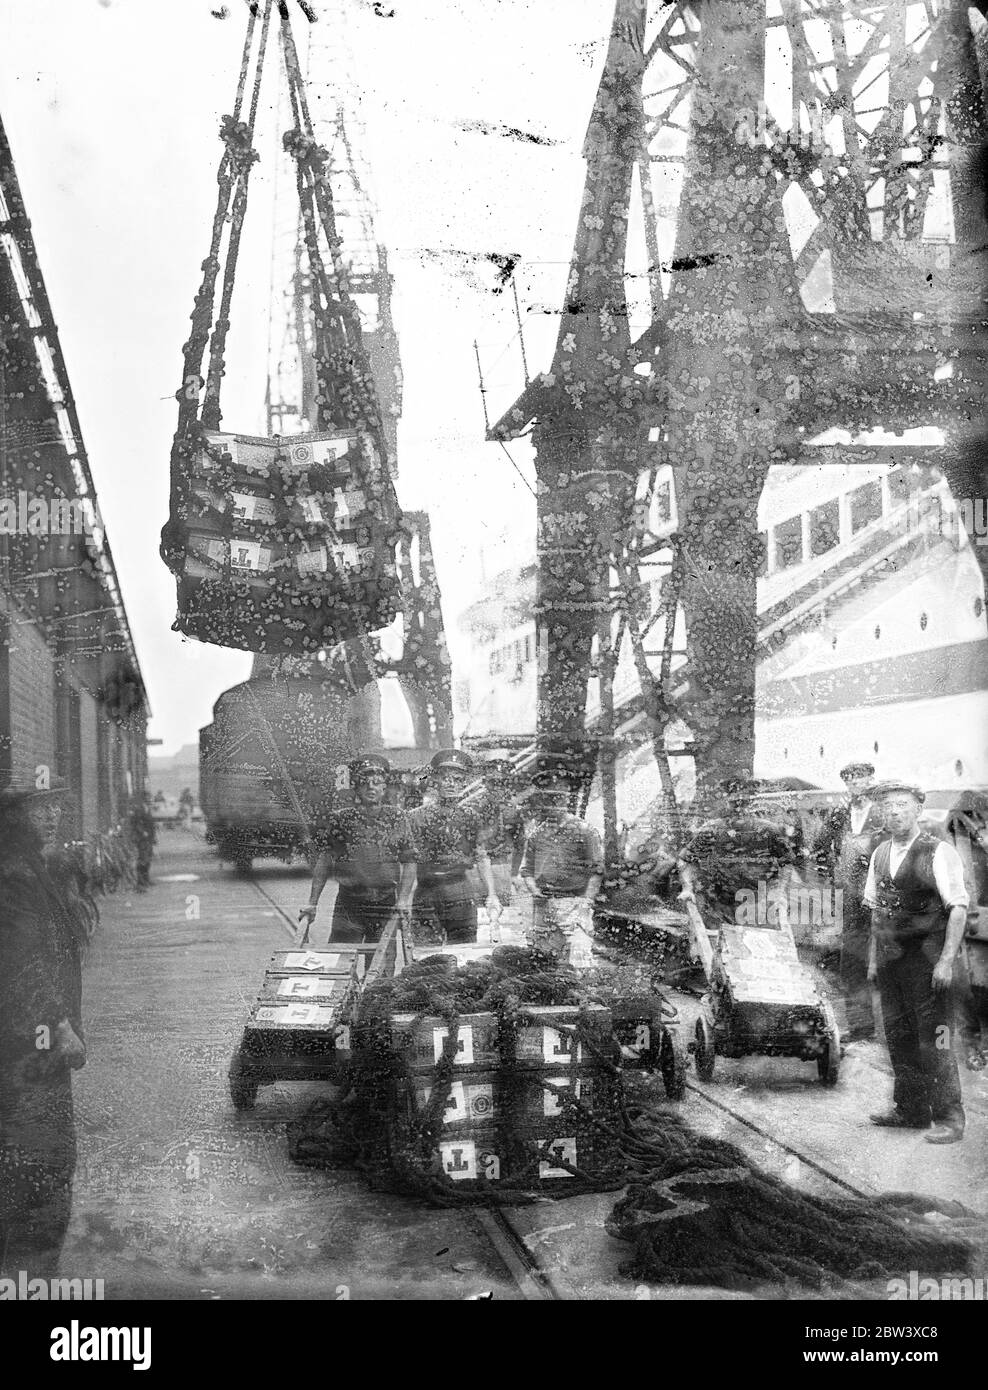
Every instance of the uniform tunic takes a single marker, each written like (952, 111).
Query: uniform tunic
(449, 842)
(562, 856)
(40, 985)
(504, 833)
(910, 897)
(367, 848)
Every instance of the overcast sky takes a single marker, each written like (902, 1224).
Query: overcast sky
(112, 108)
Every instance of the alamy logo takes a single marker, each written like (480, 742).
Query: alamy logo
(75, 1343)
(914, 1289)
(26, 1290)
(974, 519)
(803, 907)
(26, 515)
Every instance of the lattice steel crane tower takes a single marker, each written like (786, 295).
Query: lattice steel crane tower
(806, 181)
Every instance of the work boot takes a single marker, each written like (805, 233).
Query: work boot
(946, 1132)
(895, 1119)
(947, 1129)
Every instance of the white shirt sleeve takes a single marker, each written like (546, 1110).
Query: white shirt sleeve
(869, 898)
(948, 871)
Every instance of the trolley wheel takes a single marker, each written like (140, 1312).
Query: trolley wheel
(672, 1063)
(243, 1085)
(704, 1050)
(828, 1060)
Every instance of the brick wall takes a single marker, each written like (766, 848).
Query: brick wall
(32, 700)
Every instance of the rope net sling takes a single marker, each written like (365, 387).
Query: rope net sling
(697, 1210)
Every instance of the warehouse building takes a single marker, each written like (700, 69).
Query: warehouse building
(72, 700)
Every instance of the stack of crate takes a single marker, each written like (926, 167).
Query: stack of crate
(552, 1069)
(506, 1117)
(295, 535)
(304, 1004)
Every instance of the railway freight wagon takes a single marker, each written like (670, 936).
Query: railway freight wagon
(275, 759)
(271, 763)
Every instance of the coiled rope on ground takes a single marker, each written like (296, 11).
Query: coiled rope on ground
(696, 1211)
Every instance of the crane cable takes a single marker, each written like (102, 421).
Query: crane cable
(244, 159)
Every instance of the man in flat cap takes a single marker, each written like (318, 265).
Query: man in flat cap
(732, 855)
(43, 937)
(843, 851)
(449, 842)
(562, 868)
(918, 901)
(504, 825)
(366, 849)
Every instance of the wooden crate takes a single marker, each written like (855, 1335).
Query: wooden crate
(420, 1041)
(276, 1028)
(339, 963)
(544, 1037)
(335, 990)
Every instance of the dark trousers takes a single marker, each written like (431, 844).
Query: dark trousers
(357, 918)
(37, 1163)
(855, 944)
(971, 1009)
(449, 902)
(919, 1032)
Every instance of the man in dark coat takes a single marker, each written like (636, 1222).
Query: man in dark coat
(144, 834)
(843, 851)
(42, 937)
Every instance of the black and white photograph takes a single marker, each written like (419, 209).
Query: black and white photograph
(493, 661)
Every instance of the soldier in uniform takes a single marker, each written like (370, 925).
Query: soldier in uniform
(843, 851)
(504, 825)
(918, 900)
(563, 867)
(449, 842)
(367, 850)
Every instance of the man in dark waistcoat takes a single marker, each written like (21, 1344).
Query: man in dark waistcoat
(450, 841)
(367, 850)
(843, 851)
(915, 890)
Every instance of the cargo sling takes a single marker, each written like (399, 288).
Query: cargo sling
(280, 546)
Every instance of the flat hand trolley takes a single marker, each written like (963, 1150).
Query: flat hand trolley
(761, 999)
